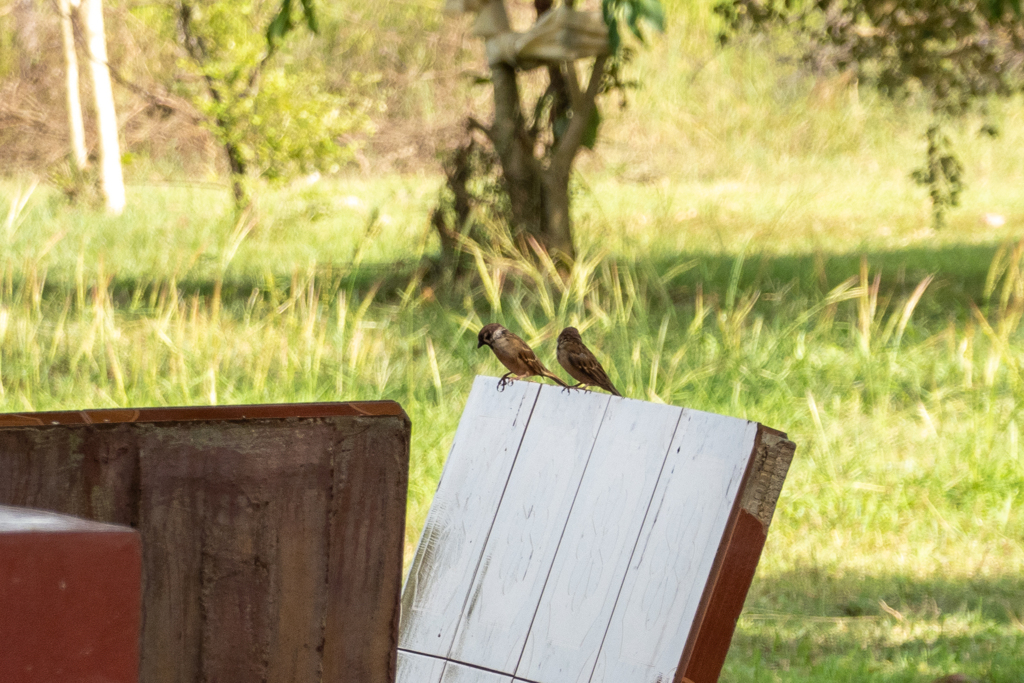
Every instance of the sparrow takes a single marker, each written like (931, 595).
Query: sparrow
(514, 354)
(580, 363)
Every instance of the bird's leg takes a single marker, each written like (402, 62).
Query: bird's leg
(504, 381)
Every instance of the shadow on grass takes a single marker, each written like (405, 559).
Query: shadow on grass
(960, 275)
(811, 626)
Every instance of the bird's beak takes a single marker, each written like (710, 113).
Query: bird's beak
(479, 344)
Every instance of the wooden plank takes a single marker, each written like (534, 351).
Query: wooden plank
(691, 510)
(274, 552)
(236, 565)
(528, 527)
(89, 473)
(484, 448)
(459, 673)
(417, 668)
(370, 464)
(773, 455)
(598, 542)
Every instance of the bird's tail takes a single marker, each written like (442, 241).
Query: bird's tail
(550, 375)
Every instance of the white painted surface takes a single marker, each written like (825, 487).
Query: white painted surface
(416, 668)
(528, 528)
(599, 539)
(676, 549)
(485, 446)
(457, 673)
(592, 566)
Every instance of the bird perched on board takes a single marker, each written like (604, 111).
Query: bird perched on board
(514, 354)
(580, 363)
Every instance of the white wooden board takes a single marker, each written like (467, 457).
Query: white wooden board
(528, 528)
(676, 549)
(601, 533)
(571, 538)
(459, 673)
(485, 446)
(416, 668)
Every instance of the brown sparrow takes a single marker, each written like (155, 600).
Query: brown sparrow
(514, 354)
(580, 363)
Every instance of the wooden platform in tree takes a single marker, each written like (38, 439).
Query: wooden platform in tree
(579, 537)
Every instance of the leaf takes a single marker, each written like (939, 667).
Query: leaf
(309, 11)
(281, 23)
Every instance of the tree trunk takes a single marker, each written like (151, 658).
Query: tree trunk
(236, 162)
(111, 180)
(75, 125)
(557, 225)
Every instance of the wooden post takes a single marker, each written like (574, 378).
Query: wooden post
(69, 599)
(272, 536)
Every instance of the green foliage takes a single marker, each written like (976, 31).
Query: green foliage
(282, 23)
(273, 118)
(635, 14)
(942, 174)
(953, 52)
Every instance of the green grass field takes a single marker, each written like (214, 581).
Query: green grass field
(751, 245)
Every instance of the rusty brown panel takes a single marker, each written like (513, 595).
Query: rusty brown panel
(69, 596)
(202, 413)
(730, 592)
(371, 464)
(234, 589)
(740, 553)
(91, 473)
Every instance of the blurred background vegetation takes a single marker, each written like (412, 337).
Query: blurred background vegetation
(749, 241)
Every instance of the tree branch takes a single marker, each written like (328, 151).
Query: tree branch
(565, 152)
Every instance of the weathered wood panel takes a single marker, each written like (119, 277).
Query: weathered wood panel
(457, 527)
(528, 528)
(370, 463)
(236, 562)
(616, 543)
(690, 513)
(272, 535)
(599, 539)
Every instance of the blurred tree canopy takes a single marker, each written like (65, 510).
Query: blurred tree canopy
(271, 121)
(956, 53)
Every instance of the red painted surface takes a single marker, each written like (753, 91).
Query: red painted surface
(69, 599)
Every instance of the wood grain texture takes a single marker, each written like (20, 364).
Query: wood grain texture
(459, 673)
(222, 500)
(598, 541)
(528, 528)
(272, 547)
(615, 542)
(667, 575)
(471, 487)
(87, 473)
(370, 465)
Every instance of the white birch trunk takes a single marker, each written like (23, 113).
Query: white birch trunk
(75, 124)
(111, 180)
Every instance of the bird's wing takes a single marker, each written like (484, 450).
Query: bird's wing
(591, 367)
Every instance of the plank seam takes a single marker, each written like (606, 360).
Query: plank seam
(483, 546)
(632, 553)
(558, 545)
